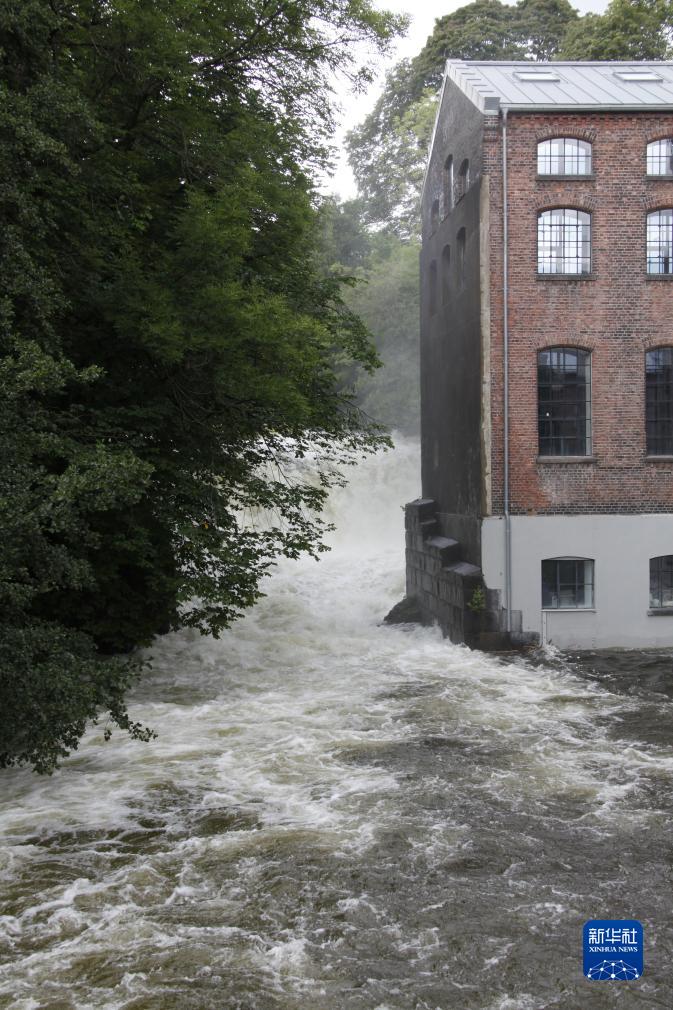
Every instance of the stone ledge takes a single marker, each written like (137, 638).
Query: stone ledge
(465, 569)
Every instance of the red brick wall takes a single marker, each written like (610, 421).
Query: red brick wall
(617, 314)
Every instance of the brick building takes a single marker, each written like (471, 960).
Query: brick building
(547, 357)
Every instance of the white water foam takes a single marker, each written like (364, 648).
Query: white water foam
(284, 736)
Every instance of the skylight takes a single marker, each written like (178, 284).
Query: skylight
(536, 75)
(638, 75)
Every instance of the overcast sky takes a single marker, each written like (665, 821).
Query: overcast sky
(423, 14)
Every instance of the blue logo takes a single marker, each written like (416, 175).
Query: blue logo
(613, 950)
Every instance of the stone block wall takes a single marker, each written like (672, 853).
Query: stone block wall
(450, 591)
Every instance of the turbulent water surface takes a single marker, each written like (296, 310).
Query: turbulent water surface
(339, 815)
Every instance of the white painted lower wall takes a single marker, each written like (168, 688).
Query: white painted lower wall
(621, 547)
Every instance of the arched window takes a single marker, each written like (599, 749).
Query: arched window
(448, 185)
(660, 157)
(564, 402)
(564, 241)
(660, 242)
(567, 583)
(446, 267)
(460, 249)
(434, 215)
(661, 582)
(463, 180)
(659, 401)
(433, 287)
(564, 156)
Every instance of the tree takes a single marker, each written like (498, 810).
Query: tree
(490, 30)
(628, 30)
(387, 154)
(345, 239)
(383, 292)
(388, 301)
(388, 150)
(481, 30)
(544, 26)
(169, 344)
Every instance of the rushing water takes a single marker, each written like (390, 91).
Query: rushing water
(339, 815)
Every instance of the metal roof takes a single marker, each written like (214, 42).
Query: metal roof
(593, 86)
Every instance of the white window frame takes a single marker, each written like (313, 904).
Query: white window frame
(571, 155)
(564, 242)
(659, 240)
(659, 158)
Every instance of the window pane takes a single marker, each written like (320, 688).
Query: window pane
(666, 591)
(660, 157)
(549, 584)
(659, 401)
(655, 588)
(661, 581)
(567, 582)
(564, 242)
(564, 156)
(564, 402)
(660, 242)
(588, 586)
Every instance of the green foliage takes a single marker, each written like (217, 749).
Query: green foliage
(490, 30)
(482, 30)
(345, 239)
(628, 30)
(388, 150)
(53, 683)
(477, 602)
(543, 27)
(388, 153)
(388, 302)
(169, 341)
(382, 273)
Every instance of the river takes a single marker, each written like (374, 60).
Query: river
(340, 815)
